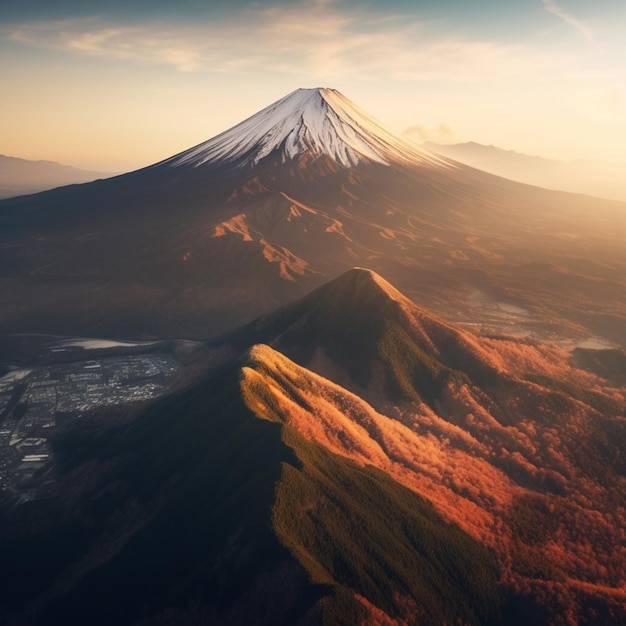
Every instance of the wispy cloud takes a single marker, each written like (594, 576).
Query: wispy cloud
(579, 25)
(93, 37)
(442, 134)
(315, 39)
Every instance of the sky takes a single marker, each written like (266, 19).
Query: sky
(119, 85)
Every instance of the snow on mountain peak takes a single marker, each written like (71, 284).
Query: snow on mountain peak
(312, 122)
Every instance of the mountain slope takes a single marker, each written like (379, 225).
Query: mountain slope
(247, 221)
(490, 430)
(361, 331)
(305, 125)
(160, 513)
(190, 516)
(268, 493)
(326, 329)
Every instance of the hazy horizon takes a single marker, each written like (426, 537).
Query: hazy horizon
(114, 88)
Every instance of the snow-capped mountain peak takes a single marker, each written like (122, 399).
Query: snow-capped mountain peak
(307, 122)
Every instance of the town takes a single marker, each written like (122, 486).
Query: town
(33, 402)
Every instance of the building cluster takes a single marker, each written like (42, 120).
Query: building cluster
(32, 405)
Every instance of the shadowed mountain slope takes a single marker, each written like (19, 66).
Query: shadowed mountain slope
(488, 429)
(470, 478)
(199, 512)
(361, 329)
(292, 197)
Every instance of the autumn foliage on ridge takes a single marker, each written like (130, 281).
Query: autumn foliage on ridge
(348, 459)
(507, 438)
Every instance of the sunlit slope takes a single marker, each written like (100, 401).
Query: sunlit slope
(495, 431)
(194, 514)
(166, 519)
(374, 460)
(303, 126)
(290, 198)
(540, 492)
(362, 332)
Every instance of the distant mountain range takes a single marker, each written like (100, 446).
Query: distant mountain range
(350, 458)
(21, 176)
(595, 178)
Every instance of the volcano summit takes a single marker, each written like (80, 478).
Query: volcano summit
(306, 124)
(286, 200)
